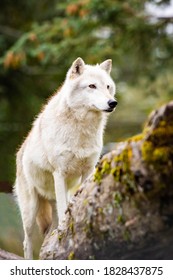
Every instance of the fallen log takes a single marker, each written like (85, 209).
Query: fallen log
(4, 255)
(125, 210)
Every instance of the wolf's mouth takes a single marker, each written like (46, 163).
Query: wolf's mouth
(109, 110)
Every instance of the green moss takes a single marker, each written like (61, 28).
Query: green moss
(103, 169)
(161, 154)
(71, 256)
(118, 198)
(100, 210)
(162, 123)
(122, 171)
(162, 135)
(124, 158)
(120, 219)
(147, 150)
(157, 149)
(155, 155)
(136, 138)
(71, 226)
(119, 166)
(60, 236)
(117, 172)
(97, 175)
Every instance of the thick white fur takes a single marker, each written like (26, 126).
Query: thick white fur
(63, 146)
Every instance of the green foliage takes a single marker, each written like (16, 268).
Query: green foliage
(38, 46)
(94, 30)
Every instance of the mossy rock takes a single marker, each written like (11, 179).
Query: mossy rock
(125, 209)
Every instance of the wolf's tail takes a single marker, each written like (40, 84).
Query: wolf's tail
(44, 215)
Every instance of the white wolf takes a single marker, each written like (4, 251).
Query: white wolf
(63, 146)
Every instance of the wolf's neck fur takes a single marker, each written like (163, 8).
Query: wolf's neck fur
(87, 118)
(86, 122)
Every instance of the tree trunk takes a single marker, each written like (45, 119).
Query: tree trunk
(125, 210)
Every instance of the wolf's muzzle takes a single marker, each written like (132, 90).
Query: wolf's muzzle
(112, 103)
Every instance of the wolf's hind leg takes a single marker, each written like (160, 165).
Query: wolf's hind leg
(28, 203)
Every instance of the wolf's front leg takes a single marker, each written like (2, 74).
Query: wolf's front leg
(61, 195)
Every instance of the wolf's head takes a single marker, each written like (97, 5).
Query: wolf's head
(90, 86)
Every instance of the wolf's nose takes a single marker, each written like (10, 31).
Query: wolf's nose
(112, 103)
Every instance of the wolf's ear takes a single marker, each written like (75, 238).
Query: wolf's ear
(107, 65)
(77, 68)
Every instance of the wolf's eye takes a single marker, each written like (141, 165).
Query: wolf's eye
(92, 86)
(108, 86)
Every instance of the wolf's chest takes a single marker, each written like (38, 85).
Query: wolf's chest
(72, 163)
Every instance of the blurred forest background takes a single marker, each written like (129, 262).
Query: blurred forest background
(38, 42)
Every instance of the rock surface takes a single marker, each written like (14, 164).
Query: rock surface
(125, 210)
